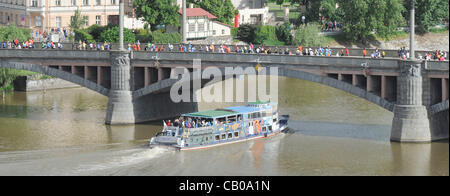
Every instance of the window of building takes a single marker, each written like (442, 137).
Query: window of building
(73, 2)
(214, 32)
(223, 31)
(85, 2)
(191, 27)
(113, 2)
(86, 20)
(58, 2)
(201, 27)
(34, 3)
(38, 21)
(98, 2)
(58, 21)
(98, 20)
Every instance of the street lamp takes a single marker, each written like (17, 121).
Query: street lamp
(411, 39)
(121, 13)
(183, 20)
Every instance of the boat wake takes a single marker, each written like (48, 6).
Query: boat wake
(117, 160)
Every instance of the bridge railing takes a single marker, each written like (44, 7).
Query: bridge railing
(176, 48)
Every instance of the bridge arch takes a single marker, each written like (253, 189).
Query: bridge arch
(56, 73)
(439, 107)
(285, 72)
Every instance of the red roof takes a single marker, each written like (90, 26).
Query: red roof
(190, 12)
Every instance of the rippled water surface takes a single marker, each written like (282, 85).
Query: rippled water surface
(62, 132)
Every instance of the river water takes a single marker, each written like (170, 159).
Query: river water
(62, 132)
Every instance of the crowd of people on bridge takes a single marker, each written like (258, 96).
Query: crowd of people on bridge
(83, 45)
(16, 44)
(437, 55)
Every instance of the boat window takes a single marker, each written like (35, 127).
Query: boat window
(275, 120)
(217, 137)
(270, 128)
(258, 114)
(236, 134)
(230, 135)
(231, 119)
(206, 138)
(221, 121)
(239, 117)
(224, 136)
(264, 129)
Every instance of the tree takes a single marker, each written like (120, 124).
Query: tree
(157, 12)
(361, 18)
(308, 35)
(11, 32)
(246, 32)
(428, 13)
(110, 35)
(223, 9)
(76, 21)
(283, 32)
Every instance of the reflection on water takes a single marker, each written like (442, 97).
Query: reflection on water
(62, 132)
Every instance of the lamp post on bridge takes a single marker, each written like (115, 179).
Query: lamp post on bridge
(183, 21)
(410, 122)
(121, 14)
(120, 100)
(412, 29)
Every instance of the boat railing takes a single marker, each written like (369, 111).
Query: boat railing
(200, 130)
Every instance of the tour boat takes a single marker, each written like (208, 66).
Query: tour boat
(211, 128)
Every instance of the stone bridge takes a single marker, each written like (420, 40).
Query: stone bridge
(138, 83)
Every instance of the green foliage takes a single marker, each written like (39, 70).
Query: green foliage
(223, 9)
(246, 33)
(157, 12)
(283, 32)
(428, 13)
(95, 30)
(360, 18)
(258, 34)
(234, 32)
(7, 77)
(263, 33)
(76, 20)
(308, 35)
(157, 37)
(111, 35)
(165, 38)
(83, 35)
(11, 32)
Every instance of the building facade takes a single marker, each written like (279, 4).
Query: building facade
(53, 14)
(252, 11)
(201, 24)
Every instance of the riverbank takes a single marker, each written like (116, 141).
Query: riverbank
(437, 40)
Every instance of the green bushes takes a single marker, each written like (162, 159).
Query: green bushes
(283, 33)
(7, 77)
(11, 32)
(110, 35)
(246, 33)
(308, 35)
(83, 35)
(157, 37)
(261, 34)
(164, 38)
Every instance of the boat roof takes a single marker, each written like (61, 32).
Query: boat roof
(243, 109)
(230, 111)
(212, 113)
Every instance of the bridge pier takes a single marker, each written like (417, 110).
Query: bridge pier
(410, 122)
(120, 99)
